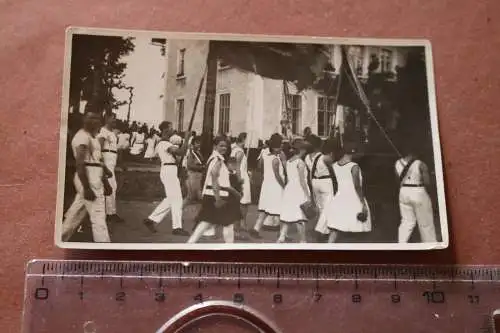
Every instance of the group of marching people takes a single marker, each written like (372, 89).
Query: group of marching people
(312, 182)
(308, 182)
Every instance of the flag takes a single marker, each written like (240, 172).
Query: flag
(300, 64)
(348, 92)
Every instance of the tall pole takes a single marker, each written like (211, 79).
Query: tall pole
(131, 91)
(209, 105)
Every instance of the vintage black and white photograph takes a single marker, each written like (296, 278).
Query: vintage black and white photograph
(205, 141)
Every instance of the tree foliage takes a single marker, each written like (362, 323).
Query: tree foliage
(96, 69)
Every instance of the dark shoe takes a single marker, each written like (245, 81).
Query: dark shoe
(114, 218)
(151, 225)
(180, 232)
(254, 234)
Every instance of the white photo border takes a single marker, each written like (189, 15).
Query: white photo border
(438, 163)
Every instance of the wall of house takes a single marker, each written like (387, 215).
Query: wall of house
(256, 103)
(185, 87)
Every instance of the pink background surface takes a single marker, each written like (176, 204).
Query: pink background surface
(466, 44)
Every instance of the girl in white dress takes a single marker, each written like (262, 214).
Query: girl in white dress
(274, 181)
(137, 144)
(349, 211)
(295, 194)
(150, 148)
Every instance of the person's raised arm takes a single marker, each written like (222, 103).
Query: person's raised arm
(276, 170)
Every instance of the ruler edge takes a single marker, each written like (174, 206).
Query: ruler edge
(349, 269)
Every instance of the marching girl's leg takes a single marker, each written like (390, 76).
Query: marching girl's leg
(301, 230)
(332, 238)
(283, 232)
(228, 233)
(198, 232)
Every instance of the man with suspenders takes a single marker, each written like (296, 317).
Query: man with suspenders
(414, 201)
(322, 181)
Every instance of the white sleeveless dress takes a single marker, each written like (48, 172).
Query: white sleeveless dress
(342, 214)
(150, 148)
(293, 195)
(271, 193)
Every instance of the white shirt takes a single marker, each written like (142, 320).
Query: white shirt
(110, 139)
(321, 168)
(162, 151)
(84, 138)
(413, 176)
(123, 140)
(223, 176)
(243, 165)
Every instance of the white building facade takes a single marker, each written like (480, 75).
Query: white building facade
(246, 102)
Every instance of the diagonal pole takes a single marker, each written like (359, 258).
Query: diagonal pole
(353, 79)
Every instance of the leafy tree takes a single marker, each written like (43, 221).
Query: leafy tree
(96, 69)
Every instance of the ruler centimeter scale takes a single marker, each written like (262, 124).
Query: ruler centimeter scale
(105, 296)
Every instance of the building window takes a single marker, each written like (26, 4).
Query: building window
(295, 105)
(386, 60)
(326, 114)
(180, 115)
(356, 54)
(180, 62)
(224, 109)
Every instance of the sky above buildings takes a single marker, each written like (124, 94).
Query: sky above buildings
(145, 70)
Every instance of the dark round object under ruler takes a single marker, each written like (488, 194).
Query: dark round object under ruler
(95, 297)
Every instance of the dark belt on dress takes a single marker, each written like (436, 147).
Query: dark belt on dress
(169, 164)
(93, 165)
(109, 151)
(413, 185)
(322, 177)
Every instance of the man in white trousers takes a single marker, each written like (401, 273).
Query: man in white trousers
(414, 201)
(173, 202)
(109, 143)
(90, 181)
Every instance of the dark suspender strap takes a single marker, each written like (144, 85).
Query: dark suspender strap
(405, 170)
(315, 165)
(335, 182)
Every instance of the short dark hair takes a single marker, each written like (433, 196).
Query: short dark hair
(164, 124)
(220, 138)
(275, 141)
(332, 145)
(314, 140)
(242, 137)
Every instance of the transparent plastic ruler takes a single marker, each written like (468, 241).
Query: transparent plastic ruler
(103, 296)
